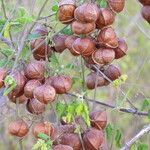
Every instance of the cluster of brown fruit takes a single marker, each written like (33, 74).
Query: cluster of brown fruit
(145, 9)
(63, 136)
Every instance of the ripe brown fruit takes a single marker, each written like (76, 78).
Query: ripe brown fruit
(98, 119)
(146, 13)
(121, 50)
(63, 129)
(83, 46)
(103, 56)
(41, 30)
(108, 38)
(93, 139)
(35, 70)
(19, 100)
(112, 72)
(87, 12)
(145, 2)
(106, 18)
(116, 5)
(49, 80)
(82, 28)
(44, 93)
(18, 128)
(35, 107)
(66, 11)
(62, 84)
(59, 42)
(62, 147)
(3, 74)
(30, 87)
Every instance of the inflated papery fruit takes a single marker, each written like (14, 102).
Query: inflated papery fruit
(112, 72)
(3, 74)
(108, 38)
(62, 84)
(66, 11)
(49, 80)
(93, 139)
(103, 56)
(87, 12)
(30, 87)
(66, 129)
(72, 140)
(41, 30)
(45, 128)
(145, 2)
(83, 46)
(116, 5)
(94, 78)
(35, 107)
(18, 128)
(106, 18)
(121, 50)
(68, 43)
(62, 147)
(35, 70)
(45, 93)
(98, 119)
(82, 28)
(59, 42)
(146, 13)
(21, 99)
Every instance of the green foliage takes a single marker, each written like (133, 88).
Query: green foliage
(60, 109)
(118, 137)
(33, 36)
(139, 146)
(102, 3)
(55, 8)
(122, 79)
(67, 31)
(145, 104)
(109, 131)
(7, 52)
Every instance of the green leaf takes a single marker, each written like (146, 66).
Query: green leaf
(103, 3)
(38, 144)
(149, 114)
(109, 131)
(85, 115)
(7, 52)
(60, 109)
(142, 146)
(25, 53)
(43, 136)
(67, 31)
(145, 104)
(55, 8)
(33, 36)
(54, 61)
(118, 138)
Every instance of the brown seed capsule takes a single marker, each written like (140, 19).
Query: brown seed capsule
(106, 18)
(83, 46)
(116, 5)
(35, 107)
(59, 43)
(63, 129)
(87, 12)
(98, 119)
(93, 139)
(68, 43)
(121, 50)
(72, 140)
(82, 28)
(93, 78)
(41, 30)
(18, 128)
(62, 84)
(112, 72)
(108, 38)
(62, 147)
(146, 13)
(19, 100)
(66, 11)
(49, 80)
(45, 93)
(3, 74)
(35, 70)
(103, 56)
(145, 2)
(30, 87)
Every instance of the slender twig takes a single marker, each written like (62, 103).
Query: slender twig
(3, 7)
(41, 18)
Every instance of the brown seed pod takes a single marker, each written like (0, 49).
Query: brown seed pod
(98, 119)
(44, 93)
(92, 78)
(145, 2)
(35, 70)
(19, 100)
(63, 129)
(116, 5)
(35, 107)
(106, 18)
(87, 12)
(62, 147)
(82, 28)
(93, 139)
(18, 128)
(103, 56)
(68, 43)
(72, 140)
(112, 72)
(66, 11)
(3, 74)
(83, 46)
(49, 80)
(62, 84)
(59, 42)
(30, 87)
(41, 30)
(121, 50)
(108, 38)
(45, 128)
(146, 13)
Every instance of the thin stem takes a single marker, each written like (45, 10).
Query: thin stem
(83, 74)
(20, 145)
